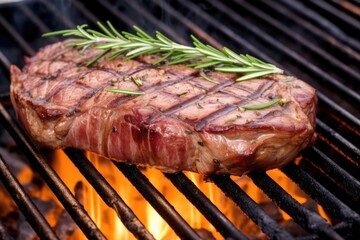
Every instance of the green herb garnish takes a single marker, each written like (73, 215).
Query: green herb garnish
(198, 56)
(206, 77)
(280, 101)
(137, 81)
(124, 91)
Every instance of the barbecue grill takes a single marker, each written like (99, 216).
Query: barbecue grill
(316, 41)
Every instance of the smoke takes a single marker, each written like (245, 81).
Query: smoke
(63, 5)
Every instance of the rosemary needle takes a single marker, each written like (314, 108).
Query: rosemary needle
(206, 77)
(280, 101)
(124, 91)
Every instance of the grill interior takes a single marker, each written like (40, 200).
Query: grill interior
(316, 41)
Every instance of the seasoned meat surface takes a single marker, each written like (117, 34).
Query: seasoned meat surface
(181, 122)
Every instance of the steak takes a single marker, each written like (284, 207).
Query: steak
(181, 122)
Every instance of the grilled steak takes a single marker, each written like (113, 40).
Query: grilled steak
(182, 122)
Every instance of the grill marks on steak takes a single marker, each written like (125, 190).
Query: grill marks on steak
(228, 108)
(182, 122)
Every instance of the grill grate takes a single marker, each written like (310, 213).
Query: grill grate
(314, 40)
(74, 208)
(108, 194)
(24, 202)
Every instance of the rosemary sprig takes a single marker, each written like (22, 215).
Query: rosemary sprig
(279, 101)
(124, 91)
(198, 56)
(206, 77)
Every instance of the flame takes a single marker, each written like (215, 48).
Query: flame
(105, 217)
(108, 222)
(70, 176)
(281, 179)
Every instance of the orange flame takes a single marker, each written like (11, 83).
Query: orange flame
(109, 223)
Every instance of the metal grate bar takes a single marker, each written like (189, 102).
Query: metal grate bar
(304, 217)
(344, 18)
(19, 39)
(81, 7)
(250, 207)
(205, 206)
(243, 42)
(339, 176)
(323, 179)
(108, 194)
(324, 23)
(337, 155)
(57, 13)
(145, 14)
(35, 19)
(341, 112)
(188, 23)
(25, 204)
(346, 146)
(349, 6)
(332, 204)
(320, 34)
(5, 96)
(116, 13)
(321, 74)
(73, 207)
(160, 25)
(4, 61)
(311, 47)
(157, 200)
